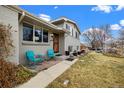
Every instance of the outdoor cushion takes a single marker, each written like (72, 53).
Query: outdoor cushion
(50, 53)
(32, 57)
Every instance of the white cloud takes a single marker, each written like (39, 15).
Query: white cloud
(122, 22)
(119, 7)
(91, 30)
(45, 17)
(103, 8)
(115, 27)
(55, 7)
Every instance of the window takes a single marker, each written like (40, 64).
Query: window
(27, 32)
(77, 47)
(76, 35)
(70, 48)
(72, 31)
(67, 27)
(38, 35)
(45, 35)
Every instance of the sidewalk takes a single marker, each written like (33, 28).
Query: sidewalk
(43, 78)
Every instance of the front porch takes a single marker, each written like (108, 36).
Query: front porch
(43, 78)
(38, 37)
(47, 64)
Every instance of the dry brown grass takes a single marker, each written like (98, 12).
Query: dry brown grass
(94, 70)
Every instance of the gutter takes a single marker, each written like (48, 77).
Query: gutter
(22, 17)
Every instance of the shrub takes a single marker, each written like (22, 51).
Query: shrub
(7, 74)
(12, 75)
(113, 55)
(5, 41)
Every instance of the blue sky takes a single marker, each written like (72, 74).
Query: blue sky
(86, 16)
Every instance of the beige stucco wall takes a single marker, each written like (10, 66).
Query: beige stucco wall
(8, 16)
(37, 48)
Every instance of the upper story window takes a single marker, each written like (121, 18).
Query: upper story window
(77, 35)
(72, 31)
(45, 35)
(27, 32)
(67, 27)
(38, 34)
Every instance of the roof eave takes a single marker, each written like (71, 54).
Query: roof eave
(19, 10)
(66, 20)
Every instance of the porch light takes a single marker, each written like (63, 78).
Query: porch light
(52, 35)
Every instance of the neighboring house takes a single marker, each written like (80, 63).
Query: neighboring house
(33, 33)
(71, 39)
(82, 46)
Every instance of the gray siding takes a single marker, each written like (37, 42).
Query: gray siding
(61, 43)
(68, 39)
(71, 41)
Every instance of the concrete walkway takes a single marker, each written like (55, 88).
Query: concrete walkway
(43, 78)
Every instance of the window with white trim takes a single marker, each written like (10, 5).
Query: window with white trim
(27, 32)
(34, 33)
(67, 27)
(38, 34)
(72, 31)
(45, 35)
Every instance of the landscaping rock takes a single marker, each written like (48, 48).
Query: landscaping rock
(66, 82)
(81, 60)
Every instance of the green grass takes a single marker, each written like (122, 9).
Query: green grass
(94, 70)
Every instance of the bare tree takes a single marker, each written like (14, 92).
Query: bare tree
(96, 36)
(121, 37)
(121, 40)
(106, 29)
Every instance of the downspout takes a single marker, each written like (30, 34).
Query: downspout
(20, 38)
(22, 17)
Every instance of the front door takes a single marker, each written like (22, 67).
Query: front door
(56, 43)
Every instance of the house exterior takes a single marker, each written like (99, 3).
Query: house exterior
(71, 39)
(32, 33)
(82, 46)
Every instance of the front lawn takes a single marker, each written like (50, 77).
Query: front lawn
(92, 71)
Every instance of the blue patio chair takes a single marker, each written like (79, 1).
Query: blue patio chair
(33, 58)
(50, 53)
